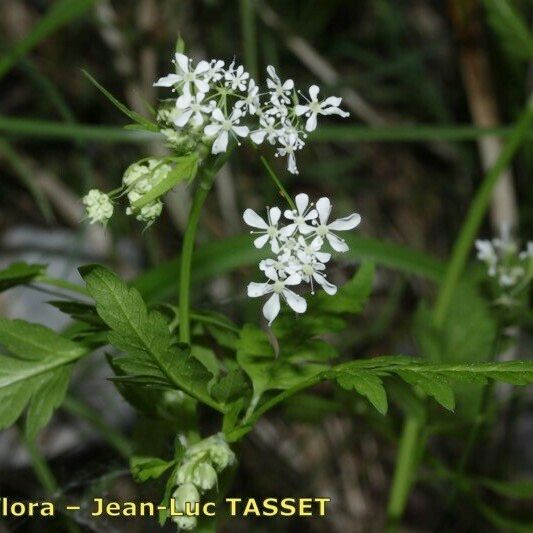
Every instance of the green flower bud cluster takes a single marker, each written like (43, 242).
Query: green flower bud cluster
(198, 473)
(98, 206)
(139, 179)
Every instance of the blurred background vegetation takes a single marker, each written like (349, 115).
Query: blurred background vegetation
(426, 82)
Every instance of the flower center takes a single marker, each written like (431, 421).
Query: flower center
(278, 286)
(322, 230)
(272, 231)
(227, 125)
(300, 220)
(314, 107)
(307, 270)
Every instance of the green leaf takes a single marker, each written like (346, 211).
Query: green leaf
(351, 297)
(516, 490)
(145, 468)
(368, 385)
(133, 115)
(60, 13)
(230, 387)
(19, 274)
(185, 168)
(504, 522)
(37, 377)
(144, 336)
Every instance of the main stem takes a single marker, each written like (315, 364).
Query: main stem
(205, 179)
(410, 439)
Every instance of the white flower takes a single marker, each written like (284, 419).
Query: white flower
(215, 72)
(279, 92)
(192, 110)
(311, 269)
(289, 144)
(301, 215)
(325, 230)
(487, 254)
(313, 108)
(510, 276)
(267, 129)
(312, 249)
(98, 206)
(528, 252)
(250, 104)
(185, 78)
(278, 288)
(236, 77)
(268, 228)
(222, 126)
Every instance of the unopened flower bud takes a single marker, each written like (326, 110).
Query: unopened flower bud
(98, 206)
(186, 493)
(204, 476)
(185, 523)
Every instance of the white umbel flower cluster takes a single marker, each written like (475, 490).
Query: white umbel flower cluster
(504, 260)
(214, 100)
(98, 206)
(298, 249)
(198, 472)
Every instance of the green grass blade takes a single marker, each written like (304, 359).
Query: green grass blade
(60, 13)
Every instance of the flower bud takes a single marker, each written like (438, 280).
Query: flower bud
(185, 473)
(204, 476)
(98, 206)
(186, 493)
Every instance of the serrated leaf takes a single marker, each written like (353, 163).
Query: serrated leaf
(436, 386)
(145, 468)
(184, 169)
(19, 274)
(38, 377)
(230, 387)
(144, 336)
(368, 385)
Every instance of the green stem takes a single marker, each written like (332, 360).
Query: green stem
(46, 477)
(410, 439)
(115, 439)
(247, 9)
(406, 462)
(206, 179)
(476, 213)
(278, 183)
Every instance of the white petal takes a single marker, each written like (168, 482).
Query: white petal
(323, 206)
(253, 219)
(302, 201)
(221, 143)
(218, 115)
(271, 273)
(296, 302)
(167, 81)
(183, 118)
(212, 129)
(271, 308)
(204, 66)
(337, 244)
(288, 230)
(258, 289)
(323, 257)
(258, 136)
(310, 125)
(334, 101)
(306, 229)
(183, 61)
(184, 101)
(313, 92)
(291, 164)
(261, 241)
(201, 85)
(288, 85)
(274, 213)
(325, 284)
(289, 214)
(346, 223)
(335, 111)
(293, 279)
(272, 72)
(241, 131)
(301, 110)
